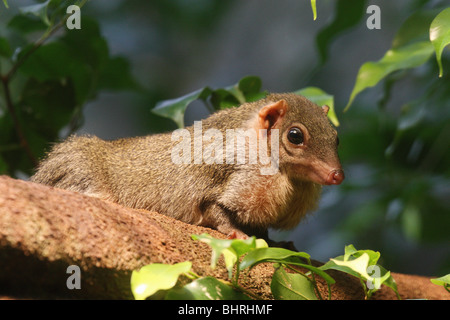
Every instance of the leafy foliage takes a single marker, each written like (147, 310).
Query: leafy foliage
(440, 35)
(314, 9)
(399, 149)
(46, 81)
(321, 98)
(293, 285)
(408, 49)
(248, 89)
(347, 15)
(154, 277)
(359, 263)
(207, 288)
(443, 281)
(232, 250)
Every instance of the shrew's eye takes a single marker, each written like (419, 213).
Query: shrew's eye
(295, 136)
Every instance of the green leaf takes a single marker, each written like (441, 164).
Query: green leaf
(250, 85)
(347, 14)
(353, 261)
(230, 258)
(409, 56)
(410, 48)
(314, 9)
(231, 255)
(442, 281)
(440, 35)
(50, 61)
(321, 98)
(415, 29)
(356, 267)
(250, 89)
(154, 277)
(38, 10)
(207, 288)
(291, 286)
(261, 243)
(271, 254)
(379, 276)
(116, 75)
(26, 24)
(309, 267)
(231, 249)
(5, 49)
(5, 2)
(246, 90)
(175, 108)
(247, 86)
(47, 113)
(350, 250)
(362, 264)
(56, 61)
(225, 98)
(88, 44)
(386, 279)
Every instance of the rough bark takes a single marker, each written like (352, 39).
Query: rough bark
(43, 230)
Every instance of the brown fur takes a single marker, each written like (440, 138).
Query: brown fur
(139, 172)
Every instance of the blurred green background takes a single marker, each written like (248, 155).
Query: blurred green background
(105, 78)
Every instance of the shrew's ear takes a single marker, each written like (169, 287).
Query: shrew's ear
(271, 114)
(326, 109)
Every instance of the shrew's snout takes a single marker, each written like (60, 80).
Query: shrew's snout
(335, 177)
